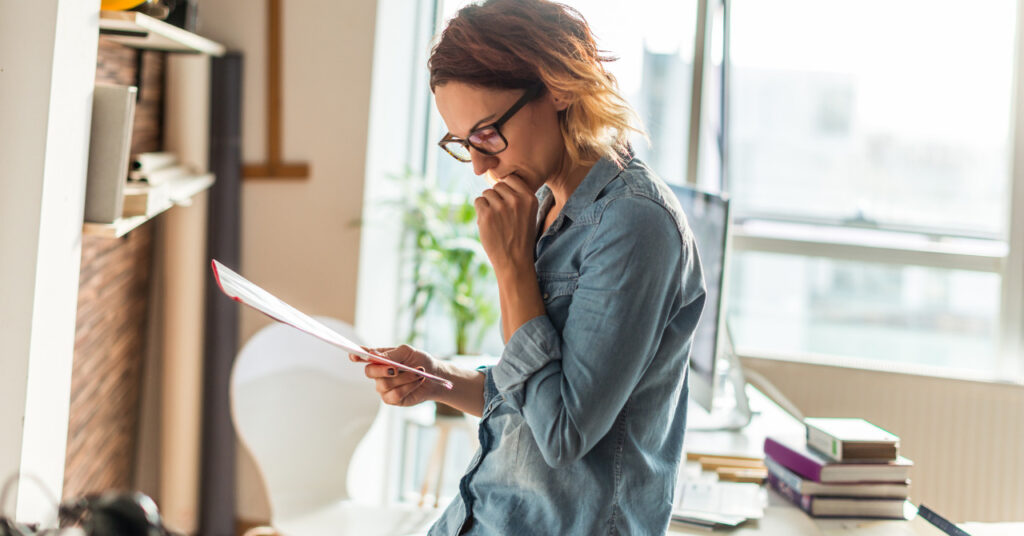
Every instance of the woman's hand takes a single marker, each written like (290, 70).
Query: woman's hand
(398, 387)
(507, 217)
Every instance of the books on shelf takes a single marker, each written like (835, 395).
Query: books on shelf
(892, 490)
(825, 506)
(160, 176)
(843, 439)
(144, 199)
(811, 465)
(144, 163)
(113, 113)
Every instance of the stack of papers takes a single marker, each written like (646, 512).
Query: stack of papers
(710, 503)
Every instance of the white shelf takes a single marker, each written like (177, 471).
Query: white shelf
(137, 30)
(181, 193)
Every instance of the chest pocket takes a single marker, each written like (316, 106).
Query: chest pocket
(554, 285)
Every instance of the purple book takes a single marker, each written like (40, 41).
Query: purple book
(824, 506)
(795, 456)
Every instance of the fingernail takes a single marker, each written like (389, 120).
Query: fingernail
(391, 372)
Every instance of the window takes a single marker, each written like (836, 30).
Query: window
(861, 132)
(867, 151)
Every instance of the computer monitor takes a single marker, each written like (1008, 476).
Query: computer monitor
(708, 217)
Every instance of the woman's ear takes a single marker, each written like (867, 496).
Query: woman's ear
(559, 100)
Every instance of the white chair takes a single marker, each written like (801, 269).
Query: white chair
(301, 408)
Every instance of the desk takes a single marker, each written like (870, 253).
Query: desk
(782, 518)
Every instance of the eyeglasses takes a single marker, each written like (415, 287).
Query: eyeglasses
(488, 139)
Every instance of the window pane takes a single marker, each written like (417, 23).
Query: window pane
(893, 112)
(793, 304)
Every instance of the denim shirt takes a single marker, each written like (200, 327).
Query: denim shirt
(584, 414)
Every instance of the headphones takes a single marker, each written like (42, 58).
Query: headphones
(106, 514)
(115, 514)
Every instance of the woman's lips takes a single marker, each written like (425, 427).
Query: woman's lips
(493, 179)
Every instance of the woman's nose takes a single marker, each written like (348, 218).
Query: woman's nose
(482, 162)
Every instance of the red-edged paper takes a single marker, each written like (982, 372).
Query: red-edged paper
(244, 291)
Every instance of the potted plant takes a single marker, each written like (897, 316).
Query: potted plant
(447, 264)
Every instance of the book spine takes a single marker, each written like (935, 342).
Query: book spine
(805, 502)
(824, 443)
(790, 478)
(793, 460)
(148, 162)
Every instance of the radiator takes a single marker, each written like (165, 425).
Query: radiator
(966, 437)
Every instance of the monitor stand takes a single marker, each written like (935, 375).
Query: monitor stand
(730, 409)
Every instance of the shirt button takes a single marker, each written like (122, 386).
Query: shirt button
(546, 295)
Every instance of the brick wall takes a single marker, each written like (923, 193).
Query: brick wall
(112, 306)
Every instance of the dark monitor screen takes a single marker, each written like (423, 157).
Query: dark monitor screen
(708, 217)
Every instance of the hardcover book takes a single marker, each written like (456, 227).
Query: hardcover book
(891, 490)
(794, 454)
(113, 113)
(820, 506)
(851, 439)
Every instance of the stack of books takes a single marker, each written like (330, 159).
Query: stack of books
(156, 168)
(148, 188)
(842, 468)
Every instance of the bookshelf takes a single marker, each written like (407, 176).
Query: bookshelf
(139, 276)
(181, 193)
(149, 35)
(138, 30)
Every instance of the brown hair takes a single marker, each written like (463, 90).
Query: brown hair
(512, 44)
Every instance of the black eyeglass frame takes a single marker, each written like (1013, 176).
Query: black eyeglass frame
(531, 93)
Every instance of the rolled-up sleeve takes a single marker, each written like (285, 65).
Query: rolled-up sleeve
(533, 345)
(571, 386)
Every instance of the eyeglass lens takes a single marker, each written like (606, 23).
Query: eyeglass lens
(486, 140)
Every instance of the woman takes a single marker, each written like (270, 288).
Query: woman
(598, 277)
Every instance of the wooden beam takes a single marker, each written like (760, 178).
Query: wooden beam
(274, 168)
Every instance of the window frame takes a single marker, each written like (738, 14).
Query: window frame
(1005, 258)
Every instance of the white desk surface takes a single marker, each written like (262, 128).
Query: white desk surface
(782, 518)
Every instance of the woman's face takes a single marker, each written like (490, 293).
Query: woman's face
(535, 146)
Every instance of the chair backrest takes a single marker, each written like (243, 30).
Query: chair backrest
(301, 408)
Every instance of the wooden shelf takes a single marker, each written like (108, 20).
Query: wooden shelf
(137, 30)
(181, 193)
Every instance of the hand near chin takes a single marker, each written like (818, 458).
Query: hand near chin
(507, 217)
(398, 387)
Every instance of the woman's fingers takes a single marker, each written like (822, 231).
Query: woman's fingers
(376, 371)
(513, 182)
(494, 199)
(403, 395)
(398, 387)
(502, 189)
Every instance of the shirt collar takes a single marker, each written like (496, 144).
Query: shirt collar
(603, 172)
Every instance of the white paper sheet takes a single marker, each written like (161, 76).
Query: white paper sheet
(244, 291)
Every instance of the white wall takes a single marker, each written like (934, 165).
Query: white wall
(964, 436)
(298, 237)
(47, 70)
